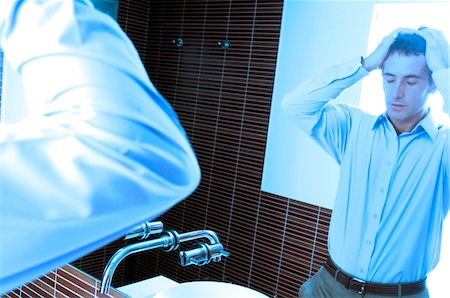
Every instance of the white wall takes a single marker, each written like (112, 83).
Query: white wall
(314, 35)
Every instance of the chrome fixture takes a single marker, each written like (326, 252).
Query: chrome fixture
(202, 254)
(169, 240)
(145, 230)
(224, 44)
(179, 42)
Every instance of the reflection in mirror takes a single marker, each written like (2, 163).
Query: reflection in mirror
(314, 36)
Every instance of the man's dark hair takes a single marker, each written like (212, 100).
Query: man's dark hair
(408, 44)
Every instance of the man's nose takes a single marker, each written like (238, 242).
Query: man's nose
(399, 90)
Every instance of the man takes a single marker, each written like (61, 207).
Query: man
(101, 151)
(393, 192)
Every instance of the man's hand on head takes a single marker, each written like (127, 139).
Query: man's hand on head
(437, 50)
(376, 59)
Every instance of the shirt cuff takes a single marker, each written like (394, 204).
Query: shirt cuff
(441, 80)
(344, 70)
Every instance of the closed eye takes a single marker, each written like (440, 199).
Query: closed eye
(389, 78)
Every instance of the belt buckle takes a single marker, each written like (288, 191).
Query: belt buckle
(362, 288)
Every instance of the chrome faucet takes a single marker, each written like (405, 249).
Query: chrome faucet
(202, 254)
(170, 240)
(145, 230)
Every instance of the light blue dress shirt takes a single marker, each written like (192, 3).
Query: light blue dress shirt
(101, 150)
(393, 193)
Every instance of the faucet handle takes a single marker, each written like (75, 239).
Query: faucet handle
(218, 256)
(145, 229)
(202, 254)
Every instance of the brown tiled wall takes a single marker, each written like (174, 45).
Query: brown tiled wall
(223, 99)
(66, 281)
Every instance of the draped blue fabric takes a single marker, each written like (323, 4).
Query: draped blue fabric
(101, 150)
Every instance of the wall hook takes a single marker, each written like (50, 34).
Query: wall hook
(224, 44)
(178, 42)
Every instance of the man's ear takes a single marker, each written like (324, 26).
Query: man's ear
(432, 87)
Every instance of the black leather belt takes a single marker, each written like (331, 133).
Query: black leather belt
(362, 287)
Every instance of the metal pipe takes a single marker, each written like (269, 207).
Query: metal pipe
(208, 234)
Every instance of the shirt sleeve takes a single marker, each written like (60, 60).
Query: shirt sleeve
(101, 151)
(441, 78)
(310, 106)
(446, 187)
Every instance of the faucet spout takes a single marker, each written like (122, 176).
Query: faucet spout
(164, 241)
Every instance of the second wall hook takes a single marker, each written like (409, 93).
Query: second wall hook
(179, 42)
(224, 44)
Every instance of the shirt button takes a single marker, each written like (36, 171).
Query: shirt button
(382, 190)
(389, 163)
(368, 242)
(375, 216)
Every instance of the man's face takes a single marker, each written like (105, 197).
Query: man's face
(406, 85)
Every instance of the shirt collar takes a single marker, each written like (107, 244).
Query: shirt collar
(427, 124)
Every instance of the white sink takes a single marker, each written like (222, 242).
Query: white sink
(149, 287)
(208, 289)
(163, 287)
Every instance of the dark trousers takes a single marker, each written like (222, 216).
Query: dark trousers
(323, 285)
